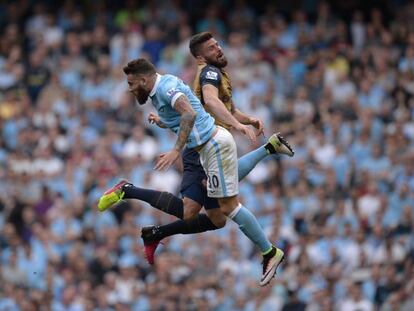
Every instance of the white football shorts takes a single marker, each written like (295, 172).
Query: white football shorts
(219, 160)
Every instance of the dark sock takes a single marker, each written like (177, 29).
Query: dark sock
(271, 253)
(201, 223)
(270, 149)
(164, 201)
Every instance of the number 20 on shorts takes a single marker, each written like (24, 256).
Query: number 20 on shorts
(213, 181)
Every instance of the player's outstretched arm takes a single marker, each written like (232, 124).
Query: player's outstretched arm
(217, 108)
(188, 116)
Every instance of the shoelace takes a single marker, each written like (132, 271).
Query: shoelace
(265, 262)
(284, 141)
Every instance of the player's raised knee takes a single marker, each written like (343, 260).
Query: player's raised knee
(217, 217)
(228, 205)
(219, 223)
(191, 208)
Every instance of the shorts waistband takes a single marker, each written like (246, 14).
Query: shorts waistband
(198, 148)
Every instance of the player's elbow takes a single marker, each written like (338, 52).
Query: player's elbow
(189, 116)
(210, 101)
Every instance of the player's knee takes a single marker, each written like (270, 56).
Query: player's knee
(219, 223)
(191, 209)
(228, 205)
(217, 218)
(189, 213)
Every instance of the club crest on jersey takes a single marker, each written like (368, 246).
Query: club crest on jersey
(211, 75)
(172, 92)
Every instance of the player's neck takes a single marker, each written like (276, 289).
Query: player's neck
(151, 82)
(201, 62)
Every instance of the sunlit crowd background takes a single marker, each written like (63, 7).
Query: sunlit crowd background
(336, 78)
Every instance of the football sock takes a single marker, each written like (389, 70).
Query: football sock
(249, 161)
(270, 149)
(251, 228)
(201, 223)
(164, 201)
(270, 252)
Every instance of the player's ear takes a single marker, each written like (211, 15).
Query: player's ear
(143, 79)
(200, 59)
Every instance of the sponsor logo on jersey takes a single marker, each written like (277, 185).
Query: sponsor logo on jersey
(211, 75)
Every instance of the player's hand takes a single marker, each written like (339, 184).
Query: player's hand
(247, 131)
(258, 124)
(155, 119)
(165, 160)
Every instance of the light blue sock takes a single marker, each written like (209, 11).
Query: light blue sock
(249, 161)
(251, 228)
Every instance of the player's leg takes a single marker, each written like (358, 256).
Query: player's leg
(195, 196)
(213, 211)
(248, 224)
(219, 158)
(152, 235)
(275, 144)
(194, 222)
(162, 200)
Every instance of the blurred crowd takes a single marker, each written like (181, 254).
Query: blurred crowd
(337, 81)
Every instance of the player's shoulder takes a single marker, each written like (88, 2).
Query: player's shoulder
(210, 72)
(167, 82)
(168, 79)
(169, 87)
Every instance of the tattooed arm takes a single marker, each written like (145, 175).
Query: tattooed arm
(188, 116)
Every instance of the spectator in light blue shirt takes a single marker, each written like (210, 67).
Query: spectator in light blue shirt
(377, 164)
(68, 302)
(360, 149)
(407, 63)
(397, 201)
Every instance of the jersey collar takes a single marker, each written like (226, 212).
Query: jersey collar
(157, 81)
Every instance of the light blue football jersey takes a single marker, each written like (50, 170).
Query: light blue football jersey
(166, 90)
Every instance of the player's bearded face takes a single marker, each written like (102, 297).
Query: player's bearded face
(217, 59)
(213, 54)
(136, 87)
(141, 95)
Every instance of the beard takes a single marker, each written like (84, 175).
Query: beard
(141, 95)
(219, 62)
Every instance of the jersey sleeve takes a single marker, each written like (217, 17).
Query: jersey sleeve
(210, 75)
(171, 91)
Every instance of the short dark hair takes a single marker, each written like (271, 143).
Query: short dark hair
(139, 66)
(197, 40)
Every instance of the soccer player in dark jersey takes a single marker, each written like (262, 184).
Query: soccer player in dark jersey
(213, 87)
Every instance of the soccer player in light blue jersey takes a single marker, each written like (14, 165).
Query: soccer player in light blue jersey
(182, 112)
